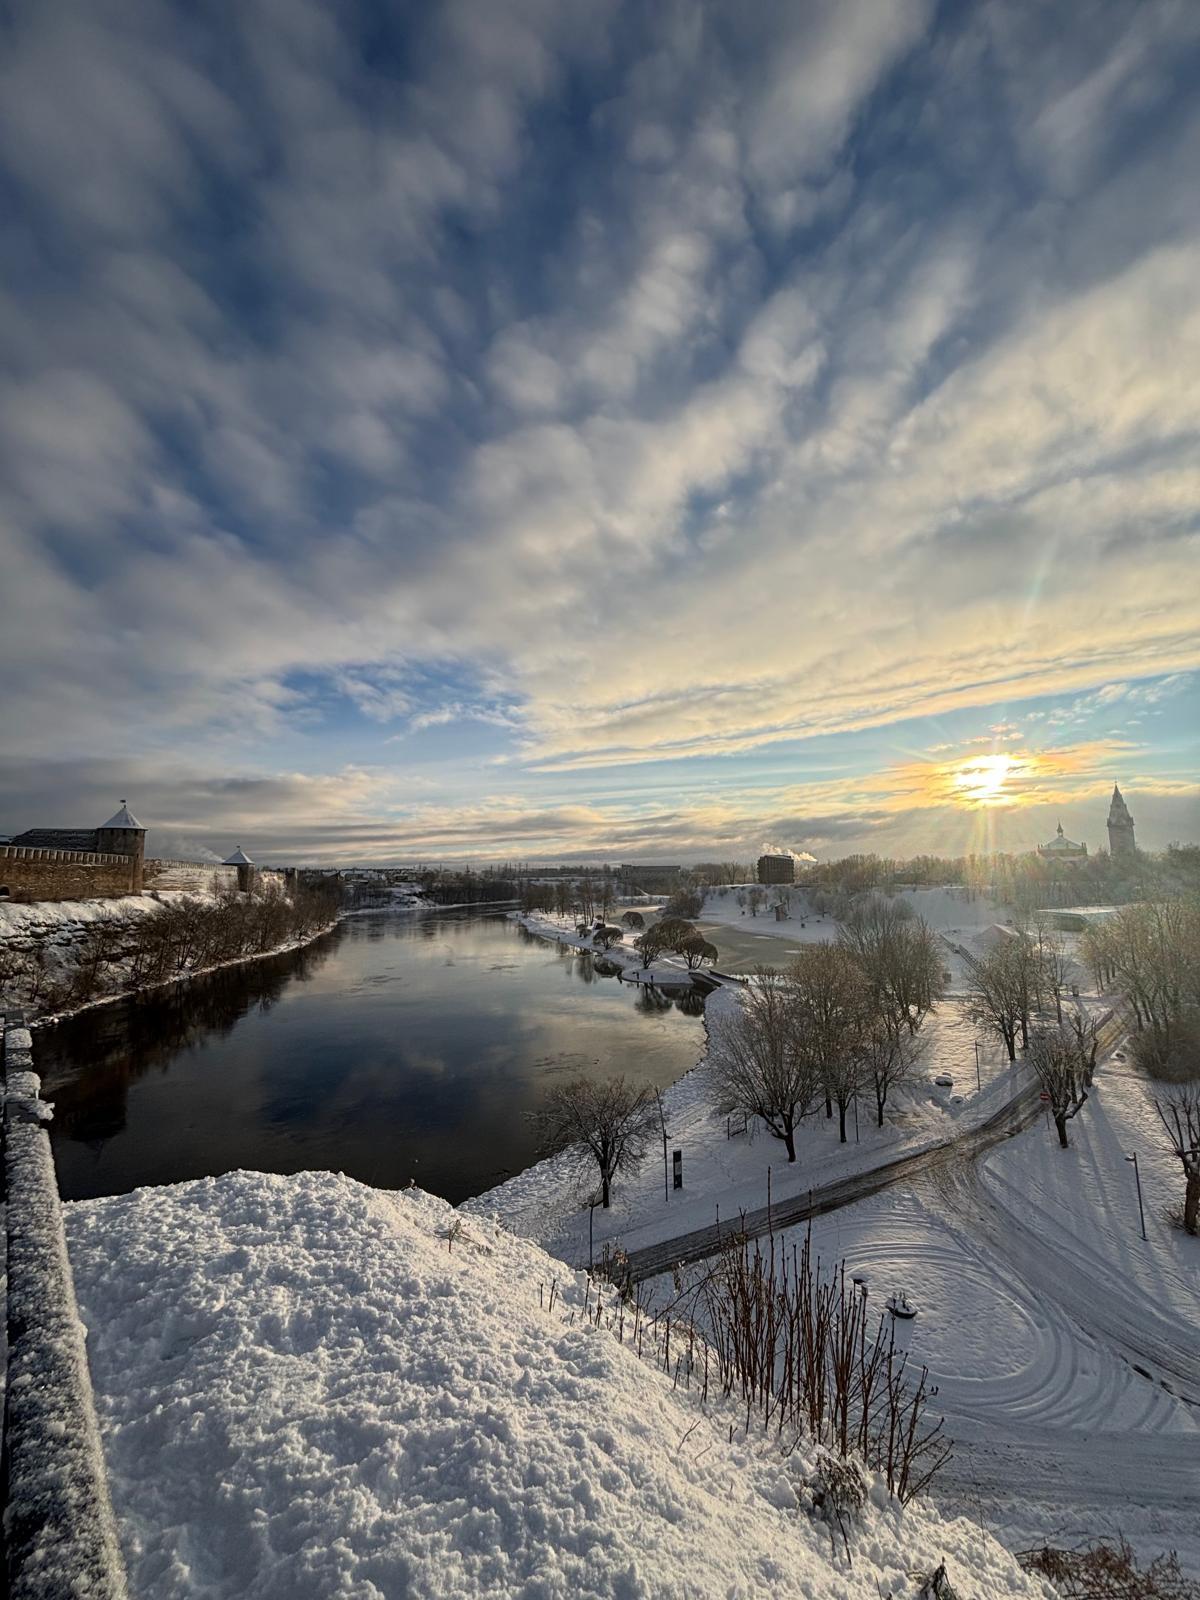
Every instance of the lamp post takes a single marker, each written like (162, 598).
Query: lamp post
(978, 1078)
(1138, 1180)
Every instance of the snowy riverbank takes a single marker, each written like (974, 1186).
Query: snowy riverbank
(726, 1163)
(48, 940)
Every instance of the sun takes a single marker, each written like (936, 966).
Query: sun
(984, 780)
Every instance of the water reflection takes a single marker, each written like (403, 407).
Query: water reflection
(399, 1046)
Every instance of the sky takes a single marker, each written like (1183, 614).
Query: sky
(550, 430)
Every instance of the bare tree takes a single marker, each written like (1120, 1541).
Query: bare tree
(634, 920)
(585, 894)
(1000, 990)
(1055, 968)
(830, 1004)
(753, 1064)
(1086, 1029)
(607, 935)
(889, 1056)
(900, 954)
(1179, 1112)
(754, 899)
(611, 1123)
(1061, 1067)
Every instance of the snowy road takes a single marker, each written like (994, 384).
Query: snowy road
(1163, 1348)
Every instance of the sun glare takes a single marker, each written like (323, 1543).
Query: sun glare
(984, 780)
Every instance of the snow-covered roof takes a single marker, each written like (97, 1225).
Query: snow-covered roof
(123, 819)
(239, 858)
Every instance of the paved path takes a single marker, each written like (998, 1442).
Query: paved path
(957, 1153)
(1016, 1114)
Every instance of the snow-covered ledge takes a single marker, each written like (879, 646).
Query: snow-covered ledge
(59, 1533)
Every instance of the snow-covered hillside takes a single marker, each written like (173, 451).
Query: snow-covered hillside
(308, 1389)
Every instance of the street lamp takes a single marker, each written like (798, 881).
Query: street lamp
(859, 1280)
(978, 1078)
(1138, 1180)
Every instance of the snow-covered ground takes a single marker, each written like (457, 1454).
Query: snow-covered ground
(306, 1388)
(1064, 1346)
(36, 918)
(942, 909)
(668, 971)
(726, 1168)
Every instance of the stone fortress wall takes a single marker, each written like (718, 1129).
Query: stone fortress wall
(100, 863)
(31, 872)
(36, 872)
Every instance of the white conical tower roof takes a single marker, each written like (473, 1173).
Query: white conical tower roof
(239, 858)
(123, 819)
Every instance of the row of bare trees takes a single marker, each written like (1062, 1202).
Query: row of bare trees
(190, 934)
(843, 1019)
(584, 897)
(1150, 953)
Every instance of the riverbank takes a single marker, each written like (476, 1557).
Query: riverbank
(544, 1201)
(59, 959)
(727, 1163)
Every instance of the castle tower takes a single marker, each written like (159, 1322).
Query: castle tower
(123, 835)
(1120, 827)
(245, 869)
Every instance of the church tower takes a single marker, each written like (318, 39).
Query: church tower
(1120, 827)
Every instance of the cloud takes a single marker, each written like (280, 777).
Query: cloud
(607, 386)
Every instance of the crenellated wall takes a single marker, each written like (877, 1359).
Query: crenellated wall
(36, 872)
(31, 872)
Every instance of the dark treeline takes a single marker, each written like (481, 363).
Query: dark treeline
(1028, 881)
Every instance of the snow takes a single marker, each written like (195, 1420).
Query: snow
(123, 819)
(38, 917)
(1063, 1345)
(306, 1387)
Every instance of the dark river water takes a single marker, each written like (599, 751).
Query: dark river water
(402, 1045)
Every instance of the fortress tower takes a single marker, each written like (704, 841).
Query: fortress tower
(245, 869)
(1120, 827)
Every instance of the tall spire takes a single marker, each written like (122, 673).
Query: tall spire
(1120, 826)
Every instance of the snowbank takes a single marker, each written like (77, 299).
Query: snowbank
(39, 918)
(306, 1390)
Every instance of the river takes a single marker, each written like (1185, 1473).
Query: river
(401, 1045)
